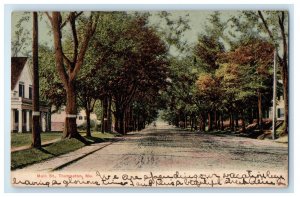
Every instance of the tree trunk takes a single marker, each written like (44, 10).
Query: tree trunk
(259, 119)
(49, 120)
(284, 71)
(237, 121)
(70, 130)
(195, 123)
(185, 121)
(218, 121)
(284, 74)
(109, 119)
(119, 116)
(202, 122)
(222, 121)
(104, 115)
(209, 123)
(251, 116)
(126, 121)
(231, 122)
(215, 120)
(144, 124)
(192, 121)
(243, 121)
(36, 136)
(177, 120)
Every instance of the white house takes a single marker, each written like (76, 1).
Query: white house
(279, 109)
(21, 97)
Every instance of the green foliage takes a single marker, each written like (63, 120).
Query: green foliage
(51, 87)
(172, 30)
(21, 38)
(83, 126)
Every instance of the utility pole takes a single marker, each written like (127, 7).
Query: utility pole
(274, 97)
(36, 135)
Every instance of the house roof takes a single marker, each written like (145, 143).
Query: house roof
(17, 65)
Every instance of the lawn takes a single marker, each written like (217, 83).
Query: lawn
(26, 157)
(30, 156)
(24, 139)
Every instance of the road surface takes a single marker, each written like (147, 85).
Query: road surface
(165, 148)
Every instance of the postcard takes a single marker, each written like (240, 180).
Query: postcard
(185, 98)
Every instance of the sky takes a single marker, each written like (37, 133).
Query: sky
(197, 22)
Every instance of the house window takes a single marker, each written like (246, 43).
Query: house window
(30, 92)
(280, 112)
(21, 89)
(80, 117)
(84, 117)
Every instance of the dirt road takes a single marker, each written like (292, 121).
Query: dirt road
(165, 148)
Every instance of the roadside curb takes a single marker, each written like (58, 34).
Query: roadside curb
(81, 156)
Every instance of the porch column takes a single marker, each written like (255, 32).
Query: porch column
(30, 122)
(12, 120)
(20, 120)
(49, 120)
(42, 121)
(46, 121)
(27, 120)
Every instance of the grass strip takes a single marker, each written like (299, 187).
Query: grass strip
(20, 159)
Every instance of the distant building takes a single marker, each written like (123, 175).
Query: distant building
(58, 119)
(279, 107)
(21, 97)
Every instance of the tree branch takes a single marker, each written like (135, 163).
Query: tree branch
(93, 105)
(49, 17)
(91, 27)
(268, 30)
(67, 20)
(266, 25)
(282, 29)
(67, 62)
(74, 33)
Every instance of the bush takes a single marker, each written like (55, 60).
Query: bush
(83, 126)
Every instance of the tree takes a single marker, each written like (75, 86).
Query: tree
(209, 89)
(36, 136)
(283, 59)
(21, 40)
(68, 68)
(206, 51)
(254, 57)
(180, 95)
(274, 26)
(87, 95)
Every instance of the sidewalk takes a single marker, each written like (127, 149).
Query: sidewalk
(64, 160)
(14, 149)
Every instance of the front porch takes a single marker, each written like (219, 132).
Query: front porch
(21, 116)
